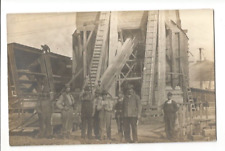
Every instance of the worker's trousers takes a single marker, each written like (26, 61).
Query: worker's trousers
(130, 122)
(86, 129)
(96, 124)
(170, 125)
(44, 115)
(105, 123)
(67, 121)
(119, 122)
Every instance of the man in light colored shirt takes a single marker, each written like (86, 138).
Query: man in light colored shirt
(65, 104)
(105, 107)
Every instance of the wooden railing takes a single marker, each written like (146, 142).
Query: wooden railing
(191, 121)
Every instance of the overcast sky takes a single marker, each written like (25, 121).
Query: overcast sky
(199, 24)
(34, 30)
(56, 31)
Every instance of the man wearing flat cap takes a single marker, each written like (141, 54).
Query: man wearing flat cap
(86, 114)
(65, 104)
(131, 113)
(170, 108)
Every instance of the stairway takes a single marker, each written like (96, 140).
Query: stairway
(98, 53)
(149, 63)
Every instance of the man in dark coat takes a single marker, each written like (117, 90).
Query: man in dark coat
(119, 114)
(131, 113)
(170, 108)
(86, 114)
(65, 104)
(44, 109)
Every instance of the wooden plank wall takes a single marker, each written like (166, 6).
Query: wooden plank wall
(130, 19)
(86, 18)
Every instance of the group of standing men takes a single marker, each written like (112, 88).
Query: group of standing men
(97, 111)
(45, 107)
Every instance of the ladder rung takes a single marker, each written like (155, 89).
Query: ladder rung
(98, 47)
(94, 69)
(98, 44)
(95, 59)
(97, 50)
(97, 53)
(96, 56)
(148, 57)
(94, 62)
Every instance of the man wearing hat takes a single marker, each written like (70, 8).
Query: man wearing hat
(105, 107)
(131, 113)
(65, 104)
(95, 114)
(119, 114)
(170, 108)
(44, 110)
(86, 113)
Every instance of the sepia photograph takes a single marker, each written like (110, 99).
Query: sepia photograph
(111, 77)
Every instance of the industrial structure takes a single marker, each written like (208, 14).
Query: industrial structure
(148, 49)
(30, 69)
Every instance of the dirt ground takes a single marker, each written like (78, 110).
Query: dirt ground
(151, 132)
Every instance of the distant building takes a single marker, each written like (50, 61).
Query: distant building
(202, 74)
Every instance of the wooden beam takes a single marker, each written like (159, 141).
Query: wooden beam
(161, 58)
(75, 54)
(113, 37)
(89, 37)
(75, 76)
(121, 36)
(13, 69)
(178, 21)
(32, 73)
(130, 79)
(80, 47)
(84, 52)
(88, 28)
(14, 73)
(25, 48)
(130, 69)
(48, 67)
(175, 73)
(174, 50)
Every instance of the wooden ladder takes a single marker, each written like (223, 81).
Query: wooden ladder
(150, 54)
(99, 48)
(187, 89)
